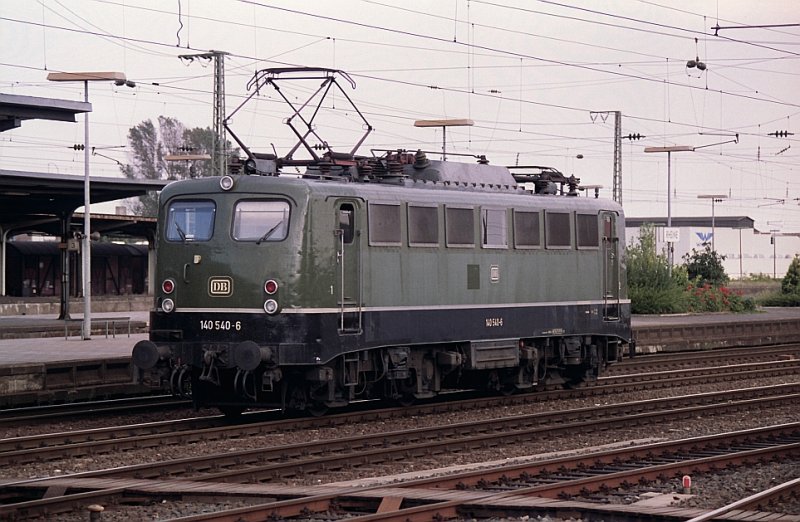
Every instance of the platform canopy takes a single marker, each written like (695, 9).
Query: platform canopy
(15, 108)
(691, 221)
(36, 201)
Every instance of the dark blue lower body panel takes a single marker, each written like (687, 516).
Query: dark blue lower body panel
(316, 338)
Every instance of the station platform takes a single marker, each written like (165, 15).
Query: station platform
(119, 344)
(63, 368)
(683, 332)
(44, 360)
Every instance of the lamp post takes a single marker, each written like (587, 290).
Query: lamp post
(462, 122)
(715, 198)
(774, 255)
(86, 252)
(669, 150)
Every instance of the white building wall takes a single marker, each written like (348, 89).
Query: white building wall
(747, 252)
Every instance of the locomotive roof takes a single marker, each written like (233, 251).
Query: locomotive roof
(402, 189)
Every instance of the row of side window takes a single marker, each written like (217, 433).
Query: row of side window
(531, 228)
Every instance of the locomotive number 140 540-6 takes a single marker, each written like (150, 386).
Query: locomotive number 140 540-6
(208, 324)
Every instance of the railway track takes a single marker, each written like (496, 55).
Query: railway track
(81, 443)
(506, 491)
(643, 364)
(621, 381)
(318, 459)
(683, 360)
(48, 413)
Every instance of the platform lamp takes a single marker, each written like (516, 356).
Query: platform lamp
(715, 198)
(669, 150)
(774, 232)
(460, 122)
(86, 252)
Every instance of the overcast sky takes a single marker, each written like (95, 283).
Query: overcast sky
(529, 74)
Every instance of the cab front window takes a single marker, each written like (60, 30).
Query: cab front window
(261, 221)
(190, 220)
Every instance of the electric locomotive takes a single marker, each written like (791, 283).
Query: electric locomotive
(392, 276)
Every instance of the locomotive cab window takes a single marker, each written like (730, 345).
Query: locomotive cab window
(527, 232)
(460, 227)
(190, 220)
(347, 222)
(423, 226)
(384, 224)
(558, 230)
(588, 233)
(494, 229)
(261, 221)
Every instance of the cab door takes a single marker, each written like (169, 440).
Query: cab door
(347, 287)
(611, 266)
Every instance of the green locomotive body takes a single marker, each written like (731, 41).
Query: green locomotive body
(389, 276)
(395, 277)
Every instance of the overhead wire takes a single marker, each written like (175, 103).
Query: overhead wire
(557, 63)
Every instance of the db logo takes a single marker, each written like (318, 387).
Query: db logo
(220, 286)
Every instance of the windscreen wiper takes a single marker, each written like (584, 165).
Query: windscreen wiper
(269, 232)
(180, 231)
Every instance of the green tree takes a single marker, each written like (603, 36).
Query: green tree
(705, 267)
(791, 281)
(651, 287)
(150, 143)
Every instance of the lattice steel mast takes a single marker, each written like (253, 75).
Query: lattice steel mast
(219, 152)
(617, 178)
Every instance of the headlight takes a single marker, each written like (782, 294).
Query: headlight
(226, 182)
(271, 306)
(168, 305)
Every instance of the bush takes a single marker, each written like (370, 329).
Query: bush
(789, 294)
(696, 286)
(791, 281)
(650, 286)
(645, 267)
(705, 268)
(646, 300)
(787, 300)
(708, 298)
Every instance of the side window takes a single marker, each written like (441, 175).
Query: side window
(384, 224)
(423, 226)
(558, 233)
(527, 231)
(494, 228)
(609, 230)
(260, 221)
(190, 220)
(588, 233)
(347, 222)
(459, 227)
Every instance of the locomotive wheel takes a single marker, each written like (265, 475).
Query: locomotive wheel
(406, 399)
(404, 394)
(575, 378)
(507, 389)
(317, 408)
